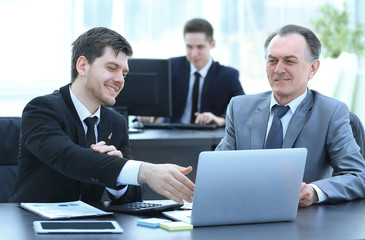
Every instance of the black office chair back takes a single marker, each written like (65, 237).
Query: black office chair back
(358, 132)
(9, 135)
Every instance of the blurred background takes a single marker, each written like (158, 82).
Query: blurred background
(36, 37)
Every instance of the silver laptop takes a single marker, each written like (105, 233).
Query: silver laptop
(245, 186)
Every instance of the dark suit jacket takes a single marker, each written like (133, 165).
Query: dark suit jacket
(320, 124)
(52, 162)
(220, 85)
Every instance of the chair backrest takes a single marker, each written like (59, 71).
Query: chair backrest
(9, 135)
(358, 131)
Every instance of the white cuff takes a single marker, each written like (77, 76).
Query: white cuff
(321, 195)
(129, 173)
(117, 193)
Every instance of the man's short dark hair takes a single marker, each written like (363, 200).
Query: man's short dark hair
(199, 25)
(92, 44)
(313, 42)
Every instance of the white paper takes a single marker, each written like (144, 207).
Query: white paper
(63, 209)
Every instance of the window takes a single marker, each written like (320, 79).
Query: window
(37, 36)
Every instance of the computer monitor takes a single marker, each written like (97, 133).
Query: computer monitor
(147, 89)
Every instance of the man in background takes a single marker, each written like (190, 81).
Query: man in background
(292, 116)
(72, 146)
(201, 87)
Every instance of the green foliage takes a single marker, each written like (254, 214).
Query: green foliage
(336, 35)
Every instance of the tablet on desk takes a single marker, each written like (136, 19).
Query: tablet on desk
(94, 226)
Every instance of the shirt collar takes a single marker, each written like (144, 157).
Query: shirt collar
(204, 71)
(293, 104)
(82, 110)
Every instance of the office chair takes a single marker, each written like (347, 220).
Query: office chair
(358, 132)
(9, 134)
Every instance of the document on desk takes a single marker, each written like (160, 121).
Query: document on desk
(63, 210)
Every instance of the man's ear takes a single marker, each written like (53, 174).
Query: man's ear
(212, 43)
(313, 69)
(81, 66)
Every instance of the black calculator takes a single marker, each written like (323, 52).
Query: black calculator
(144, 207)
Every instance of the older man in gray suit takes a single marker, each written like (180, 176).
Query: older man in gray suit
(335, 169)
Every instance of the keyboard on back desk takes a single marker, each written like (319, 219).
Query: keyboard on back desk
(179, 126)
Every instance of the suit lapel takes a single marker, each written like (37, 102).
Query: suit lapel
(65, 92)
(298, 120)
(105, 126)
(259, 124)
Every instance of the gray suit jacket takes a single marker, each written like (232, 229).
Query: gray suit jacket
(320, 124)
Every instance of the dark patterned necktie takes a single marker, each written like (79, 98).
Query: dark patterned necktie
(275, 137)
(90, 134)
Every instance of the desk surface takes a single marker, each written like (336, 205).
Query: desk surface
(336, 221)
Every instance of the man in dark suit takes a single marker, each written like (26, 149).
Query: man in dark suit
(335, 168)
(214, 87)
(63, 158)
(217, 83)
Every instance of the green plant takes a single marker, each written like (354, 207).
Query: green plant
(333, 29)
